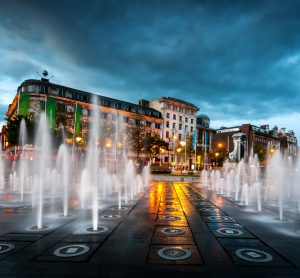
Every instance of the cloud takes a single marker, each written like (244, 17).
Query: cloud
(233, 59)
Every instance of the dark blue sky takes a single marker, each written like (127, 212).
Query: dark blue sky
(239, 61)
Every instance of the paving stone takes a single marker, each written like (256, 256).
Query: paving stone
(85, 238)
(249, 252)
(229, 230)
(22, 237)
(49, 254)
(15, 246)
(158, 232)
(218, 219)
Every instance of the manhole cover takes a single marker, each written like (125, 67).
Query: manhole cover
(229, 232)
(110, 216)
(117, 208)
(5, 247)
(171, 218)
(174, 253)
(71, 250)
(172, 231)
(253, 255)
(100, 229)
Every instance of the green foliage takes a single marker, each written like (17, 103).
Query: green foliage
(153, 145)
(13, 128)
(136, 135)
(260, 151)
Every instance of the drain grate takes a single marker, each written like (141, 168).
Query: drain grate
(71, 250)
(254, 255)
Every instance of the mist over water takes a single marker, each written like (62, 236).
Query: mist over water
(65, 179)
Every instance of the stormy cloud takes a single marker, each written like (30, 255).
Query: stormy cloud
(233, 59)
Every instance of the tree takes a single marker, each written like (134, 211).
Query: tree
(13, 128)
(136, 134)
(260, 151)
(153, 145)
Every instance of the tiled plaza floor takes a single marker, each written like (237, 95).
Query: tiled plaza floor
(173, 230)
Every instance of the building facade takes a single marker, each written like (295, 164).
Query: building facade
(204, 140)
(179, 122)
(240, 141)
(34, 96)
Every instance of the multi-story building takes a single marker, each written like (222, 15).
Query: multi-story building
(289, 140)
(204, 140)
(34, 96)
(179, 121)
(240, 141)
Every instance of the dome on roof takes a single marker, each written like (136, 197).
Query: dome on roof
(203, 117)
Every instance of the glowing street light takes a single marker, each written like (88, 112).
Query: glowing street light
(220, 145)
(108, 143)
(120, 145)
(161, 150)
(182, 143)
(78, 139)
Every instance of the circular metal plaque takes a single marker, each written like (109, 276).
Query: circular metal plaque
(71, 250)
(110, 216)
(174, 253)
(229, 232)
(170, 209)
(100, 229)
(218, 218)
(36, 229)
(172, 231)
(254, 255)
(207, 209)
(171, 218)
(6, 247)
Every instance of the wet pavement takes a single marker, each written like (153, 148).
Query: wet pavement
(173, 229)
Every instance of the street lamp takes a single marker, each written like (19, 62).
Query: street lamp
(216, 155)
(183, 144)
(78, 139)
(178, 150)
(220, 145)
(162, 150)
(108, 143)
(174, 155)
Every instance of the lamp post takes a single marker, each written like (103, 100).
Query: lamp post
(178, 150)
(161, 150)
(216, 155)
(174, 155)
(183, 144)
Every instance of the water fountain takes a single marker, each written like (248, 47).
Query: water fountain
(276, 189)
(45, 180)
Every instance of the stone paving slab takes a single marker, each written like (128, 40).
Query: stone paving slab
(252, 252)
(16, 246)
(218, 219)
(158, 232)
(229, 230)
(49, 254)
(22, 236)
